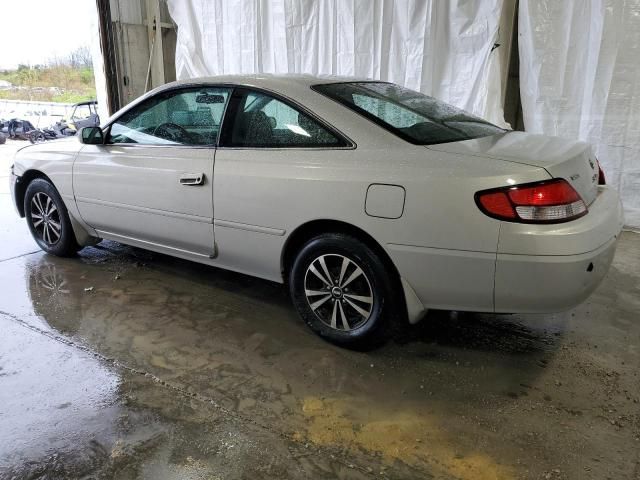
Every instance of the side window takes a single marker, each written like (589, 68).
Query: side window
(264, 121)
(184, 117)
(393, 114)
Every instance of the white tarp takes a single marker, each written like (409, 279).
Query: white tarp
(440, 47)
(580, 78)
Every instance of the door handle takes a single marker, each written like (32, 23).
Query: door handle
(192, 179)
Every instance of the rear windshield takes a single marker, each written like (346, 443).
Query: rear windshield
(411, 115)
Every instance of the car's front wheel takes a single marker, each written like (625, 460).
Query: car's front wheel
(48, 219)
(342, 290)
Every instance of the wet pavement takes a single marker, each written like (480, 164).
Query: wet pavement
(126, 364)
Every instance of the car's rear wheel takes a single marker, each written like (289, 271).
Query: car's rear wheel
(48, 219)
(342, 290)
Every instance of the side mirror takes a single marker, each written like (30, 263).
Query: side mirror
(91, 135)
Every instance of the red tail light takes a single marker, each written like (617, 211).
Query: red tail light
(549, 201)
(601, 178)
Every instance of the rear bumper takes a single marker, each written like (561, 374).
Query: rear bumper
(537, 268)
(546, 284)
(552, 268)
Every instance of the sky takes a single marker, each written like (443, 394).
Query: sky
(33, 31)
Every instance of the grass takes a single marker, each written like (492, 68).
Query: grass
(58, 83)
(73, 97)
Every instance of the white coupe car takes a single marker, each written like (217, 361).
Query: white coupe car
(373, 202)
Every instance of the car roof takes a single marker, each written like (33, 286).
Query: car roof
(292, 85)
(268, 80)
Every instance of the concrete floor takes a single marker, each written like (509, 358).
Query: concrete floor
(126, 364)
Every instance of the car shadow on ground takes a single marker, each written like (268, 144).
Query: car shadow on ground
(511, 335)
(504, 334)
(498, 333)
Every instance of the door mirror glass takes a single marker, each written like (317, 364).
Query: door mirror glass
(91, 135)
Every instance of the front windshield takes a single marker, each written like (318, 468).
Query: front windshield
(411, 115)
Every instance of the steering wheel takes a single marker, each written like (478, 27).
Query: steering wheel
(173, 132)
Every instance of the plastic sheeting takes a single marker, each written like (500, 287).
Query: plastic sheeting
(442, 48)
(580, 78)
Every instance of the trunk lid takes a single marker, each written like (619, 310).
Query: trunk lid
(561, 158)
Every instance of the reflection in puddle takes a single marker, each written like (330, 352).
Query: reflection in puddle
(54, 399)
(234, 341)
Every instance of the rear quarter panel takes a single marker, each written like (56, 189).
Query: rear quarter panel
(440, 243)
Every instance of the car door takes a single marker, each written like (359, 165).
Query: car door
(267, 173)
(151, 182)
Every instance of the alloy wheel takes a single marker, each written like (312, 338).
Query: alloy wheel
(338, 292)
(45, 218)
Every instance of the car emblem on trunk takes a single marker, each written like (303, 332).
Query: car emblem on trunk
(593, 165)
(575, 177)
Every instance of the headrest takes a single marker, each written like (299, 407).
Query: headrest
(306, 123)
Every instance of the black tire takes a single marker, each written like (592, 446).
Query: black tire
(37, 137)
(333, 248)
(54, 233)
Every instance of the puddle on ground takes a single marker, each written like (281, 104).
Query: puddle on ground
(53, 399)
(212, 358)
